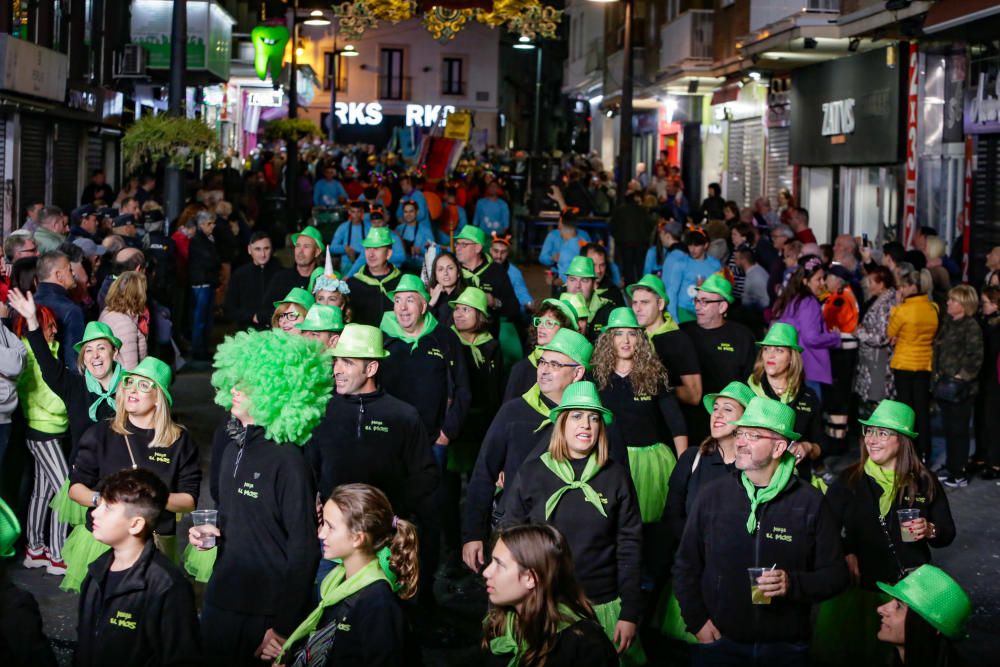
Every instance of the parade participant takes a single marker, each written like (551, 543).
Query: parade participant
(358, 620)
(538, 614)
(141, 434)
(561, 245)
(398, 255)
(371, 285)
(409, 192)
(136, 607)
(323, 323)
(582, 279)
(766, 516)
(606, 273)
(480, 271)
(579, 305)
(880, 543)
(500, 252)
(492, 213)
(416, 239)
(328, 191)
(578, 489)
(307, 249)
(779, 375)
(518, 426)
(453, 218)
(327, 288)
(346, 244)
(264, 492)
(925, 618)
(687, 274)
(726, 350)
(553, 316)
(248, 283)
(672, 346)
(291, 310)
(446, 284)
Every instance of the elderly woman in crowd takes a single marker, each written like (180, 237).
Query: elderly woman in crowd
(873, 378)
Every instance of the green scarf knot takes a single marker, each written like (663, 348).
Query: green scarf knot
(94, 387)
(477, 354)
(533, 397)
(363, 277)
(886, 480)
(390, 327)
(760, 496)
(508, 643)
(564, 471)
(473, 276)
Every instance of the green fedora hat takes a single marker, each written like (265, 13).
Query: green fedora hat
(153, 369)
(574, 345)
(322, 318)
(717, 284)
(577, 302)
(10, 530)
(312, 233)
(894, 416)
(622, 318)
(653, 283)
(936, 597)
(298, 296)
(96, 331)
(781, 335)
(581, 267)
(735, 390)
(473, 297)
(472, 233)
(378, 237)
(410, 283)
(563, 307)
(581, 395)
(360, 341)
(771, 415)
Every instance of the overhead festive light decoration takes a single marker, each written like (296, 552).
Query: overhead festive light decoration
(445, 18)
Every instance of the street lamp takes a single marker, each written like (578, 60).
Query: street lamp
(348, 52)
(625, 139)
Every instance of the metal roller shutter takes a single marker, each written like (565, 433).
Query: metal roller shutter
(779, 172)
(95, 153)
(985, 227)
(743, 177)
(31, 180)
(66, 165)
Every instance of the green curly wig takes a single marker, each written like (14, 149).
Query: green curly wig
(288, 381)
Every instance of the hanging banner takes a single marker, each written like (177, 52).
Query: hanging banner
(458, 125)
(967, 211)
(910, 190)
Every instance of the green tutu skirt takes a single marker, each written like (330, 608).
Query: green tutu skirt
(68, 510)
(651, 467)
(669, 620)
(846, 630)
(607, 615)
(80, 550)
(200, 563)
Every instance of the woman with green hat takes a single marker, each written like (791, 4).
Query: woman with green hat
(924, 618)
(876, 499)
(779, 374)
(588, 497)
(291, 310)
(142, 434)
(552, 315)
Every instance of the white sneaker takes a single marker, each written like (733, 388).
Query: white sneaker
(35, 558)
(56, 567)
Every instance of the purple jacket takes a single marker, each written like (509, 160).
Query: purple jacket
(806, 315)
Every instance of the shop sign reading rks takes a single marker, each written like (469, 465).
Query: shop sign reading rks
(370, 113)
(838, 118)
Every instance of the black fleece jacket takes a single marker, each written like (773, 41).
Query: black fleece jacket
(854, 501)
(687, 481)
(245, 296)
(379, 440)
(281, 283)
(268, 550)
(606, 550)
(582, 644)
(370, 302)
(493, 279)
(796, 531)
(523, 376)
(643, 420)
(148, 619)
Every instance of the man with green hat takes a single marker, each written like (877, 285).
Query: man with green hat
(308, 248)
(398, 254)
(371, 285)
(767, 518)
(517, 428)
(481, 271)
(323, 323)
(581, 279)
(673, 347)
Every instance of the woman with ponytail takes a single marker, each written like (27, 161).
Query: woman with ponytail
(539, 615)
(358, 620)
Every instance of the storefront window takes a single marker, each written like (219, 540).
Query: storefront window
(870, 202)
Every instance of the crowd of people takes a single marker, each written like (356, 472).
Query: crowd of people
(709, 443)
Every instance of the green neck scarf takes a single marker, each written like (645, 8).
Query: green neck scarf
(760, 496)
(390, 326)
(533, 397)
(477, 354)
(508, 643)
(886, 480)
(564, 471)
(94, 387)
(596, 303)
(666, 326)
(473, 276)
(334, 589)
(535, 355)
(362, 276)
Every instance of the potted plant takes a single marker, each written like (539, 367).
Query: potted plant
(179, 141)
(291, 129)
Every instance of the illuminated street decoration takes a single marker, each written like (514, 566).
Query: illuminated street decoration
(269, 43)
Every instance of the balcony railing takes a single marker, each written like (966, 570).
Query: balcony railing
(687, 38)
(393, 87)
(767, 12)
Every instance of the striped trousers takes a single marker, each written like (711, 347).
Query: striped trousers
(50, 473)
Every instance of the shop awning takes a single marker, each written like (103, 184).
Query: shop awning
(954, 13)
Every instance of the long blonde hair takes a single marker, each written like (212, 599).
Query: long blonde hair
(165, 430)
(796, 373)
(559, 448)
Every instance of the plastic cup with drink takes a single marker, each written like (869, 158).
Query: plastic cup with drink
(206, 518)
(758, 596)
(905, 516)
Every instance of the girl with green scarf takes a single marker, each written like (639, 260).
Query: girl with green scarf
(538, 612)
(358, 620)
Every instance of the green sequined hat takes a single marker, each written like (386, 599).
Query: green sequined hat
(936, 597)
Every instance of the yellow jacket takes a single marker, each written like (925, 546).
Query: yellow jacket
(913, 324)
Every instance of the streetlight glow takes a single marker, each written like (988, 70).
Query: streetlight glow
(524, 43)
(316, 18)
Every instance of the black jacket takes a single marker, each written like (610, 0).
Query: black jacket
(606, 551)
(268, 550)
(643, 420)
(485, 387)
(523, 376)
(687, 480)
(370, 302)
(71, 387)
(204, 263)
(281, 283)
(379, 440)
(148, 619)
(22, 642)
(855, 503)
(245, 296)
(433, 378)
(796, 531)
(493, 279)
(582, 644)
